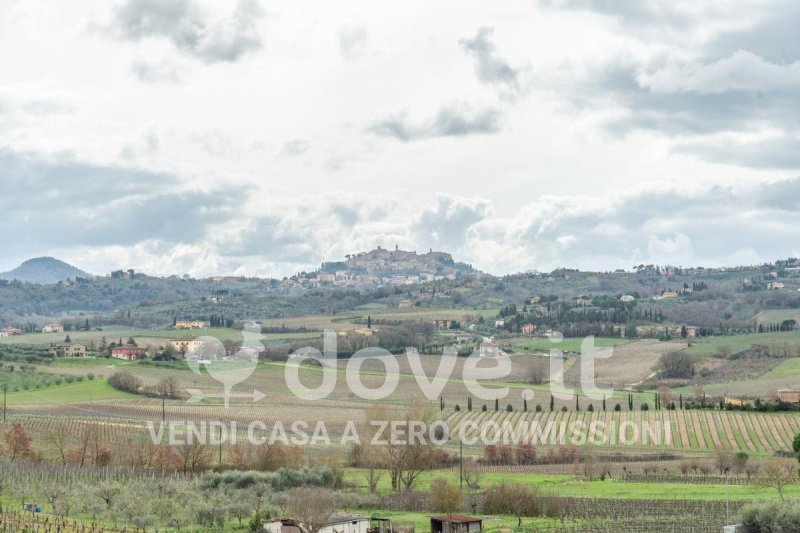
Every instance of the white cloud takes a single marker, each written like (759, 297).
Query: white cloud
(741, 71)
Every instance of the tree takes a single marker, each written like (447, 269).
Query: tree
(18, 443)
(310, 507)
(676, 364)
(776, 473)
(518, 499)
(445, 497)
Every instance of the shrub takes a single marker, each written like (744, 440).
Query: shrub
(125, 382)
(770, 517)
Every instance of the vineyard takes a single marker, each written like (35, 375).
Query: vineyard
(693, 430)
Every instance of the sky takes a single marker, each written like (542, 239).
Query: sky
(261, 138)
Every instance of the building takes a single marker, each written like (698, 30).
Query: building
(442, 323)
(405, 304)
(68, 349)
(499, 323)
(528, 329)
(489, 348)
(775, 285)
(691, 331)
(533, 300)
(184, 345)
(456, 524)
(55, 327)
(3, 333)
(584, 301)
(14, 331)
(128, 353)
(336, 523)
(626, 298)
(190, 324)
(789, 395)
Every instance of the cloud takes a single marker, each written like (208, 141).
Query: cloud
(60, 202)
(449, 121)
(295, 147)
(445, 224)
(490, 68)
(741, 71)
(190, 29)
(782, 152)
(164, 71)
(352, 40)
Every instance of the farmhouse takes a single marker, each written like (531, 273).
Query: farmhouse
(190, 324)
(442, 323)
(336, 523)
(533, 300)
(626, 298)
(499, 323)
(3, 333)
(775, 285)
(14, 331)
(405, 304)
(456, 524)
(128, 353)
(54, 327)
(789, 395)
(528, 329)
(68, 349)
(184, 345)
(691, 331)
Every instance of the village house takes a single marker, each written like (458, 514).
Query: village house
(336, 523)
(54, 327)
(489, 348)
(789, 395)
(14, 331)
(190, 324)
(128, 353)
(528, 329)
(442, 323)
(584, 301)
(405, 304)
(68, 349)
(3, 333)
(626, 298)
(533, 300)
(691, 331)
(499, 323)
(456, 523)
(775, 285)
(182, 346)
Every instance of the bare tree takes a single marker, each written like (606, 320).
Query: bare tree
(18, 443)
(777, 473)
(445, 497)
(518, 499)
(310, 507)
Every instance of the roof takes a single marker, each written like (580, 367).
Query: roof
(456, 518)
(337, 518)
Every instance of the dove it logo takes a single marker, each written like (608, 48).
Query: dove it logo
(208, 355)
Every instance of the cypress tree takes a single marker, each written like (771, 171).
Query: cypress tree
(552, 403)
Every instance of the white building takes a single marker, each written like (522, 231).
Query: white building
(337, 523)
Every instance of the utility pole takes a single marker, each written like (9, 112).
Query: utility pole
(461, 464)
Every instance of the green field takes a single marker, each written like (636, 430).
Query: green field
(708, 346)
(83, 391)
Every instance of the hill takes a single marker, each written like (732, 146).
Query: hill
(44, 270)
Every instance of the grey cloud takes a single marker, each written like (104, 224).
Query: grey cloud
(774, 153)
(351, 40)
(489, 67)
(295, 147)
(63, 203)
(450, 121)
(190, 30)
(164, 71)
(445, 225)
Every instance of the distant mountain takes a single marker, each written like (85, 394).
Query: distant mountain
(44, 270)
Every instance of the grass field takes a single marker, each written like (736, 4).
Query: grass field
(96, 390)
(706, 346)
